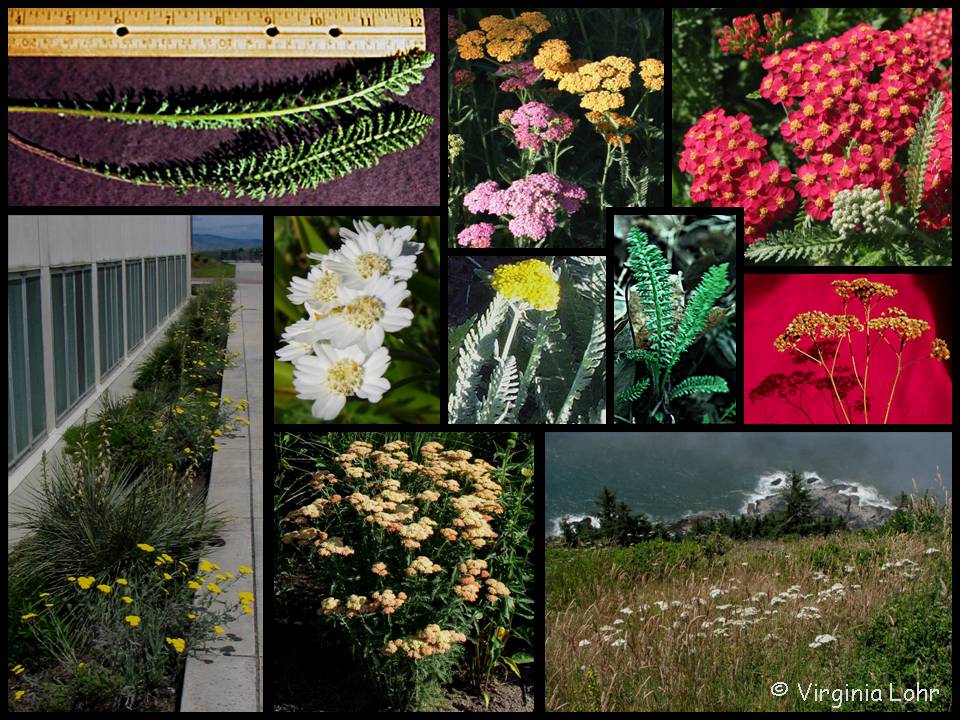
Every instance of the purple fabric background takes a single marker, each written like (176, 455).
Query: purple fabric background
(411, 177)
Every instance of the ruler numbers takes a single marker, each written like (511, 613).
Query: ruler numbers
(214, 32)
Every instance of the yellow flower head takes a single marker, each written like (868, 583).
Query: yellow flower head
(145, 547)
(187, 451)
(127, 599)
(28, 616)
(179, 410)
(214, 588)
(86, 582)
(244, 570)
(530, 281)
(191, 616)
(134, 620)
(207, 566)
(193, 585)
(651, 72)
(19, 694)
(178, 644)
(167, 576)
(121, 581)
(104, 588)
(218, 629)
(246, 597)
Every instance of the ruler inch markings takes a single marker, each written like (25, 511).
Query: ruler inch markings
(187, 32)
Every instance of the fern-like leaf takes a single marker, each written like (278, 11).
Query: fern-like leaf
(544, 328)
(652, 277)
(699, 384)
(712, 285)
(502, 393)
(363, 87)
(477, 347)
(918, 154)
(592, 356)
(246, 168)
(633, 393)
(809, 244)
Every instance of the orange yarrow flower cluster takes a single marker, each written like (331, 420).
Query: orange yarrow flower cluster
(502, 38)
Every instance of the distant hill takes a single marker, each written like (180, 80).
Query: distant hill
(205, 241)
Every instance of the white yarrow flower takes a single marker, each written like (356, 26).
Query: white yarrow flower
(822, 640)
(365, 315)
(375, 252)
(333, 375)
(319, 288)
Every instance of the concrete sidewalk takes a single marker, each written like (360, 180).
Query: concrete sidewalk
(229, 676)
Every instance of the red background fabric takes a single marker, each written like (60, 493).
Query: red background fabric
(410, 177)
(788, 388)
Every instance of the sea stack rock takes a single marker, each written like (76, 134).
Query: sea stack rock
(684, 526)
(833, 501)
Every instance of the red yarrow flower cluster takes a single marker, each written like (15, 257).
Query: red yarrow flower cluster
(934, 33)
(745, 37)
(937, 211)
(728, 162)
(862, 91)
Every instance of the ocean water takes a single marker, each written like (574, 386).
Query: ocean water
(669, 475)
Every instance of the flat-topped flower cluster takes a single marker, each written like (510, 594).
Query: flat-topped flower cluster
(352, 297)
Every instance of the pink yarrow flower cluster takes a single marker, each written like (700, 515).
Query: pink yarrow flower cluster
(534, 122)
(728, 162)
(477, 235)
(531, 203)
(520, 75)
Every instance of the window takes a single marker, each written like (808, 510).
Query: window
(109, 293)
(150, 284)
(171, 284)
(162, 284)
(134, 302)
(26, 408)
(72, 305)
(180, 294)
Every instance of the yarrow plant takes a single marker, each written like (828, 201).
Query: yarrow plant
(867, 109)
(545, 316)
(352, 298)
(401, 545)
(819, 337)
(543, 87)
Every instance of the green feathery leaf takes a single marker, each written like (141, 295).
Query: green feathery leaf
(246, 168)
(633, 393)
(477, 346)
(918, 154)
(699, 384)
(652, 276)
(502, 393)
(363, 87)
(712, 285)
(592, 356)
(809, 243)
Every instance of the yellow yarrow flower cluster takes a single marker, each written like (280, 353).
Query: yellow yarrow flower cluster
(553, 58)
(530, 281)
(651, 72)
(599, 83)
(502, 38)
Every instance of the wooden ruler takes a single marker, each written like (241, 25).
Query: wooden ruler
(213, 32)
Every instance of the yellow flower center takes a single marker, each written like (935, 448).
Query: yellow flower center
(530, 281)
(364, 312)
(344, 377)
(325, 289)
(370, 263)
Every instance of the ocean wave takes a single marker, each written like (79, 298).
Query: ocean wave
(773, 482)
(555, 523)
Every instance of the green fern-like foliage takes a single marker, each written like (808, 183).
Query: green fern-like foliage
(918, 154)
(248, 169)
(808, 243)
(699, 384)
(478, 345)
(673, 324)
(364, 87)
(652, 276)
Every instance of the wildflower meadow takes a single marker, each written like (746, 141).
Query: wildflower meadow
(407, 558)
(554, 115)
(831, 127)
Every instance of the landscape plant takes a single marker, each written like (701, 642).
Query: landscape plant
(535, 355)
(413, 559)
(354, 319)
(524, 111)
(665, 323)
(850, 163)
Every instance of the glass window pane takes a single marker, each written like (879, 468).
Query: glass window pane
(70, 332)
(59, 351)
(86, 333)
(38, 416)
(18, 366)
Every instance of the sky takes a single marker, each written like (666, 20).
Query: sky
(244, 227)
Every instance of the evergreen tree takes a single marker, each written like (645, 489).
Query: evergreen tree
(798, 515)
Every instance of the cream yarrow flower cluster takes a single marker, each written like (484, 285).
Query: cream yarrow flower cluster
(351, 298)
(530, 282)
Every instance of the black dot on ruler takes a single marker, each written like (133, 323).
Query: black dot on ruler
(335, 32)
(121, 31)
(272, 31)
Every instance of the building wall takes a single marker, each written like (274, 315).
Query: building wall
(42, 245)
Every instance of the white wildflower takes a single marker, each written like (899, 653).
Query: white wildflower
(930, 551)
(618, 643)
(626, 611)
(584, 643)
(618, 621)
(822, 640)
(333, 375)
